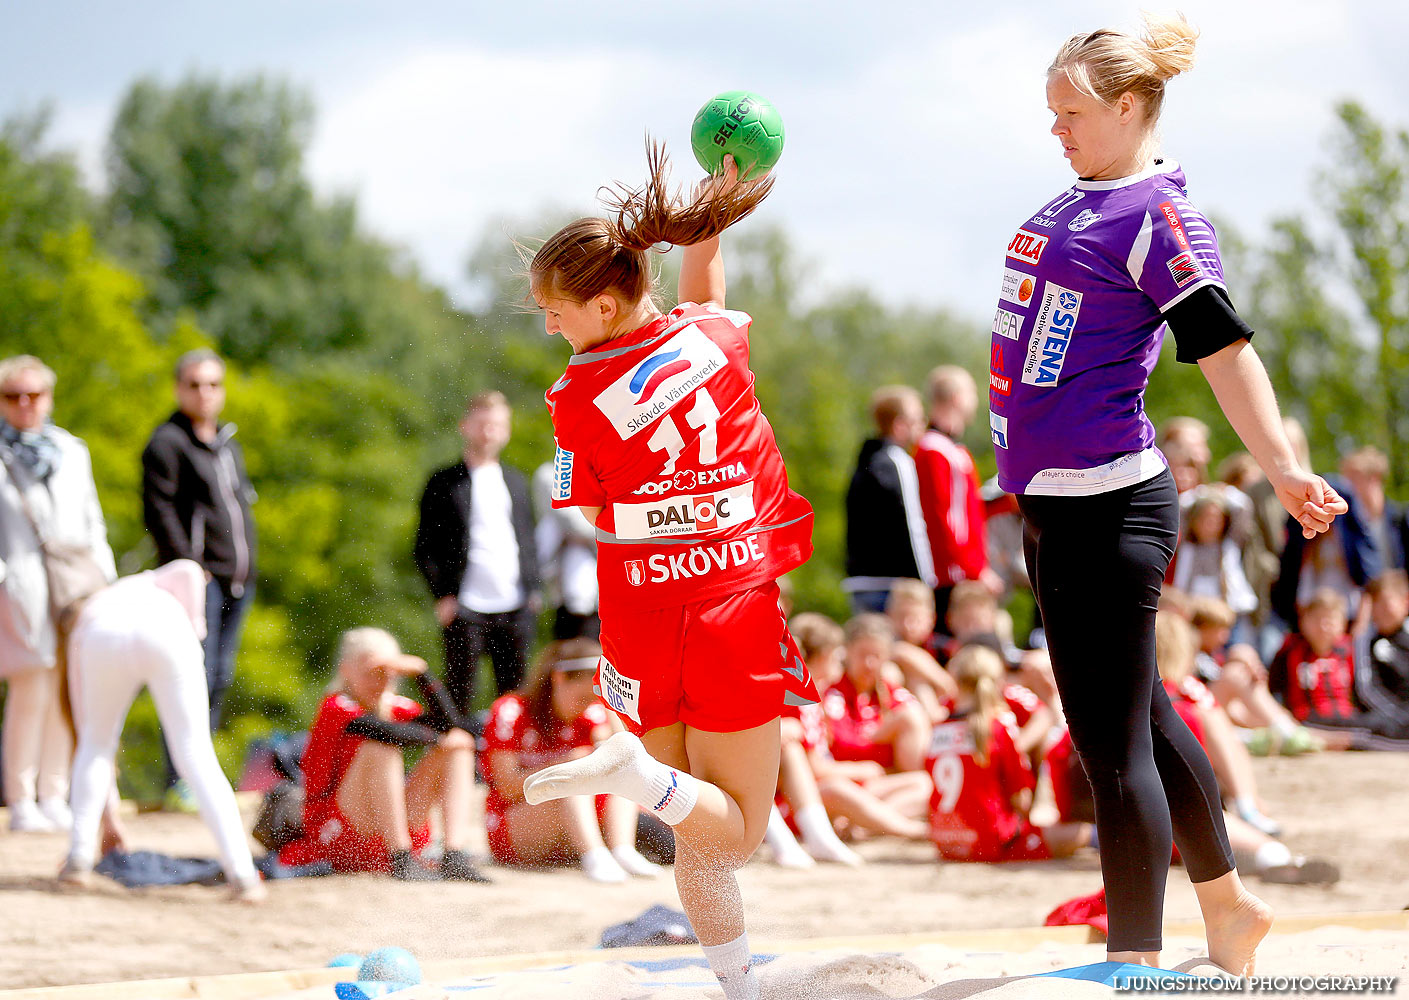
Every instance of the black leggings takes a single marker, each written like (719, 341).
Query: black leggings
(1097, 564)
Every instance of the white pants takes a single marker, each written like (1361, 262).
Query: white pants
(36, 740)
(130, 635)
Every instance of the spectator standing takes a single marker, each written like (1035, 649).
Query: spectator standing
(475, 546)
(949, 487)
(567, 554)
(196, 498)
(46, 486)
(886, 538)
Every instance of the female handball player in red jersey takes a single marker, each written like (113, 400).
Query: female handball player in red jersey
(1091, 281)
(661, 442)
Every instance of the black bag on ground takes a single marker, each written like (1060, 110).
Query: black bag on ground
(280, 819)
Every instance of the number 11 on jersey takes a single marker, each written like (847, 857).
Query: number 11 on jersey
(704, 417)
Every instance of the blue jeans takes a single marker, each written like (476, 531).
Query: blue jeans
(224, 620)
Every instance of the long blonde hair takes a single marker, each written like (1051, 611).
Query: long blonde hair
(979, 672)
(1107, 63)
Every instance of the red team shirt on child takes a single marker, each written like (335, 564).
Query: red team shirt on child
(510, 728)
(327, 834)
(853, 718)
(661, 429)
(1314, 685)
(972, 817)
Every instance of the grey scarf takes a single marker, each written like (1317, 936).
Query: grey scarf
(37, 450)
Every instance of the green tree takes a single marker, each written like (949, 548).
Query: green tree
(1368, 191)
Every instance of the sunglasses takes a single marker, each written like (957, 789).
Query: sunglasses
(30, 397)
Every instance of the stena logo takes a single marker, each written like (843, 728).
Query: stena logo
(1007, 324)
(1017, 287)
(1086, 219)
(685, 515)
(650, 389)
(635, 572)
(562, 474)
(702, 560)
(998, 429)
(688, 479)
(1051, 335)
(1028, 246)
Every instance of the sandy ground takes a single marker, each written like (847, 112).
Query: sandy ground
(1350, 807)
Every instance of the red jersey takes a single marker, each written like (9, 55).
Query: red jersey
(1021, 702)
(511, 728)
(1191, 699)
(853, 718)
(662, 430)
(953, 506)
(971, 813)
(325, 760)
(1312, 685)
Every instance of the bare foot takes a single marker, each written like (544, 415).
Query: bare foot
(1236, 931)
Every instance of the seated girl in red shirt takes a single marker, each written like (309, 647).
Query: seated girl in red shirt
(361, 811)
(556, 717)
(983, 783)
(870, 716)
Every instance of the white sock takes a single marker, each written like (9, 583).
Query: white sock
(620, 766)
(821, 840)
(780, 840)
(1270, 855)
(733, 967)
(633, 863)
(599, 865)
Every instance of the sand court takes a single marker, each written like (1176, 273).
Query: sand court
(903, 922)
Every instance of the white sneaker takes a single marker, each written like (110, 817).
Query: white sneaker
(25, 817)
(57, 811)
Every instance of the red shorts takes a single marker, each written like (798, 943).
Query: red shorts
(722, 665)
(333, 838)
(1027, 845)
(501, 845)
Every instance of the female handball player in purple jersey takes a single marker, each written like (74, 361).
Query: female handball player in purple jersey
(1090, 283)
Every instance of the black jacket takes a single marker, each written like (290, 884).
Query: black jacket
(442, 549)
(196, 500)
(885, 538)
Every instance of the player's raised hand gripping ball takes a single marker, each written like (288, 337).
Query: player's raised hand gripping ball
(741, 124)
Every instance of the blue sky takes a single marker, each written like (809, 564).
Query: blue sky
(917, 133)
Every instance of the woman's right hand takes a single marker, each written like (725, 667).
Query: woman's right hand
(1309, 499)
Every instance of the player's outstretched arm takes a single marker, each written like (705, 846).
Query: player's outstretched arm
(1240, 383)
(702, 266)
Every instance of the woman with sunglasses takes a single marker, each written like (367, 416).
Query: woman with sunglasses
(46, 490)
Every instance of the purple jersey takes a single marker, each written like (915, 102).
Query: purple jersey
(1079, 328)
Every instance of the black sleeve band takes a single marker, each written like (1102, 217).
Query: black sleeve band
(1204, 324)
(398, 734)
(441, 713)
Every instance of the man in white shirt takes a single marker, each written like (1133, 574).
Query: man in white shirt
(475, 547)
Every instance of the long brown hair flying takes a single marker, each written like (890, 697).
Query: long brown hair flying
(591, 256)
